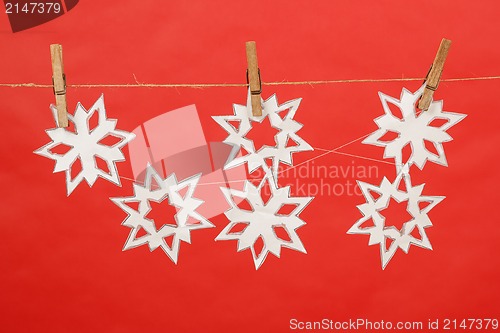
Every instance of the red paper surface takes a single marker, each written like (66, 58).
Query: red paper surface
(61, 264)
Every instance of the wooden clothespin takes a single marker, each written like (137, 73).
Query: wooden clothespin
(59, 83)
(253, 78)
(434, 75)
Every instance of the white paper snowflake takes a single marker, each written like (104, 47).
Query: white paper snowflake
(413, 128)
(378, 199)
(286, 125)
(178, 227)
(85, 144)
(262, 219)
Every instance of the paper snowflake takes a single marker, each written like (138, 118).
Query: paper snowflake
(178, 227)
(239, 124)
(413, 129)
(86, 145)
(263, 219)
(373, 222)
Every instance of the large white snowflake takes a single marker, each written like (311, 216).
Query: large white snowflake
(239, 124)
(262, 219)
(85, 144)
(178, 227)
(378, 199)
(413, 128)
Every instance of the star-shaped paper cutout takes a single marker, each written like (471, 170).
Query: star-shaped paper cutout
(413, 128)
(378, 198)
(262, 219)
(239, 124)
(85, 144)
(157, 189)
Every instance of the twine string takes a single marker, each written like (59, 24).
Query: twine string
(213, 85)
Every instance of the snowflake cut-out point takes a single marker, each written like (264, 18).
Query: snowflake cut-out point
(263, 219)
(413, 127)
(238, 125)
(84, 144)
(178, 227)
(389, 237)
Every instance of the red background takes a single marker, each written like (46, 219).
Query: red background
(62, 268)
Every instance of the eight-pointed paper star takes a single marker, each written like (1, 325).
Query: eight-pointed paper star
(262, 220)
(85, 144)
(239, 124)
(413, 129)
(379, 231)
(157, 189)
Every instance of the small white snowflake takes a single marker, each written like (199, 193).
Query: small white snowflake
(413, 129)
(85, 144)
(179, 227)
(379, 232)
(286, 126)
(262, 220)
